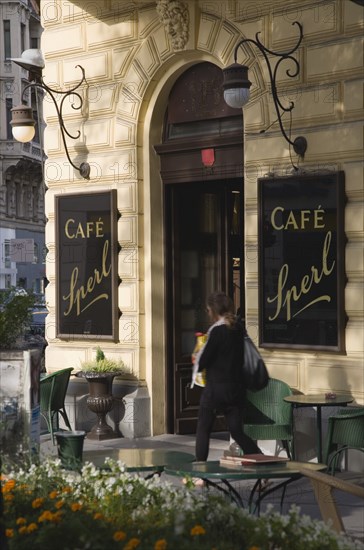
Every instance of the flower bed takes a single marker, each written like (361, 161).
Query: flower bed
(47, 507)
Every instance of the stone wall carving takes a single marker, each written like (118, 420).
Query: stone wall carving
(175, 17)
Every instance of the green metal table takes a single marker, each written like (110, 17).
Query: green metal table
(212, 473)
(318, 401)
(139, 460)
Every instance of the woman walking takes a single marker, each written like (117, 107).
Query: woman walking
(222, 358)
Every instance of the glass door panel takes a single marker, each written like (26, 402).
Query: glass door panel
(203, 240)
(198, 227)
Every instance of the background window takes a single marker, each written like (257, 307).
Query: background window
(36, 254)
(22, 36)
(7, 259)
(9, 106)
(7, 41)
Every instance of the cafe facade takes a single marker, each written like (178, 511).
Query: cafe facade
(187, 194)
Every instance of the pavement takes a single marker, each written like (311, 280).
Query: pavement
(300, 492)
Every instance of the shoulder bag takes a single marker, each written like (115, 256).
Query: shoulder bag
(256, 376)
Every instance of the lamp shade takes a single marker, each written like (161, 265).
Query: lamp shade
(236, 97)
(23, 133)
(236, 85)
(31, 60)
(23, 125)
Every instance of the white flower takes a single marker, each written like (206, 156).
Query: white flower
(178, 506)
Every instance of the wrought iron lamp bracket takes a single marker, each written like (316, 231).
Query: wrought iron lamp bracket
(300, 143)
(84, 168)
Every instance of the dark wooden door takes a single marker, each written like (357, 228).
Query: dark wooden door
(203, 238)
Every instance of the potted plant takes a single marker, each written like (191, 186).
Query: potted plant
(100, 373)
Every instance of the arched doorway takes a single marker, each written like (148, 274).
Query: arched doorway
(202, 173)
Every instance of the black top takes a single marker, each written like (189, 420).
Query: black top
(223, 359)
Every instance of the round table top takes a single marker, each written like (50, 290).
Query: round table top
(138, 460)
(213, 470)
(318, 399)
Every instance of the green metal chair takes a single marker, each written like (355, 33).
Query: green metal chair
(267, 416)
(53, 389)
(345, 431)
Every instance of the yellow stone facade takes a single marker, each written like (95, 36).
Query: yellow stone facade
(131, 63)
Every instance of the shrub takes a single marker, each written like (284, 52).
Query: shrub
(15, 313)
(47, 507)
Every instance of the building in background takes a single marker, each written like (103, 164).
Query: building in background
(156, 131)
(22, 220)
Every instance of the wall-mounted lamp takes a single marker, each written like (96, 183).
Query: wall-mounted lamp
(23, 124)
(236, 84)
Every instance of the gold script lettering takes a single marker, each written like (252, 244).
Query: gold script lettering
(77, 296)
(306, 285)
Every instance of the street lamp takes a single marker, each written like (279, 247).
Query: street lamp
(236, 84)
(23, 124)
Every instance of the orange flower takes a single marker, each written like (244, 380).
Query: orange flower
(131, 544)
(8, 497)
(21, 521)
(9, 533)
(119, 535)
(75, 506)
(160, 544)
(8, 486)
(59, 504)
(57, 516)
(67, 490)
(197, 530)
(97, 515)
(53, 494)
(32, 527)
(37, 502)
(23, 530)
(45, 516)
(254, 548)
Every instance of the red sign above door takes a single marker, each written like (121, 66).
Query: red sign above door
(208, 157)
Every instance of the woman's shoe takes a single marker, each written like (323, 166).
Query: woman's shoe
(264, 485)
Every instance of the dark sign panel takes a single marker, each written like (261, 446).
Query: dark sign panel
(86, 265)
(301, 262)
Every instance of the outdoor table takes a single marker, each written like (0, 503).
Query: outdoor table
(139, 460)
(318, 401)
(211, 472)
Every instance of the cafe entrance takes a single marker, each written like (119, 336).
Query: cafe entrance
(201, 159)
(203, 255)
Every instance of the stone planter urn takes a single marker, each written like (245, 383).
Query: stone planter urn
(100, 374)
(100, 401)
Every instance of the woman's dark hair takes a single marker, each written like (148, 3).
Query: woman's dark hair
(223, 306)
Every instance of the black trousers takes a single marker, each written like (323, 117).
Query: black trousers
(208, 410)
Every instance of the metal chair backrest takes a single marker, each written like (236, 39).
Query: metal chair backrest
(53, 389)
(267, 405)
(267, 416)
(345, 431)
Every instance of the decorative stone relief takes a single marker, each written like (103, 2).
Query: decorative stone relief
(175, 17)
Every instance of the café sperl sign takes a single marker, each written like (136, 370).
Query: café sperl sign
(86, 236)
(301, 262)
